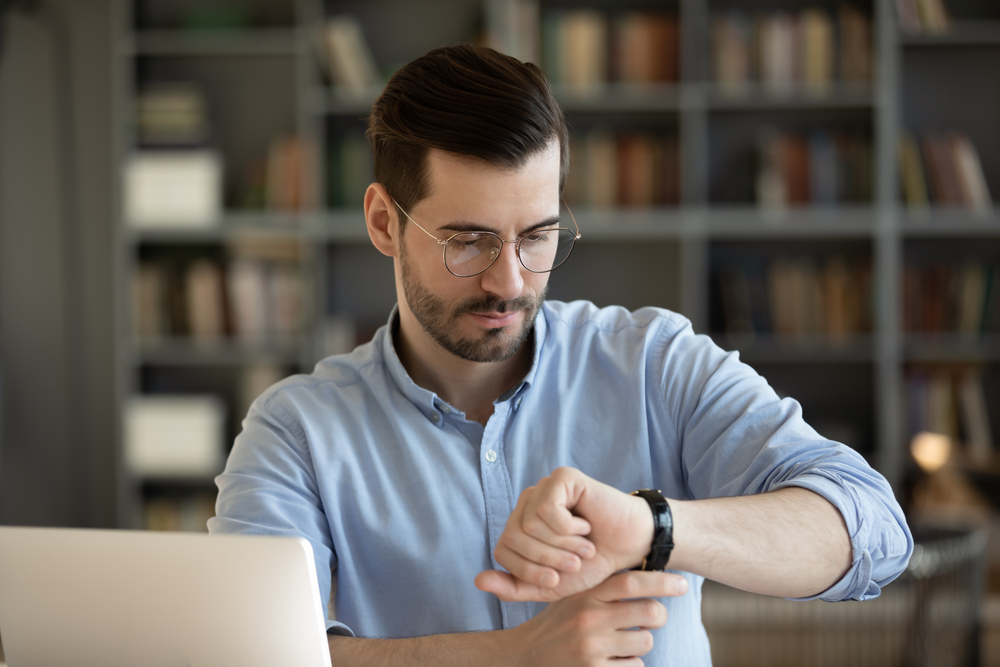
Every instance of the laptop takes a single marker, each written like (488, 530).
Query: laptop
(116, 598)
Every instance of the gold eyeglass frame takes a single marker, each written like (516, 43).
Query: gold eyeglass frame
(516, 242)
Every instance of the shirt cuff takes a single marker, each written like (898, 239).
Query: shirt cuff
(339, 629)
(865, 578)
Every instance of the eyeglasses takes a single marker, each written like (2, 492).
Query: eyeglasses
(468, 254)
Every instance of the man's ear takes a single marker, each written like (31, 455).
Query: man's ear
(381, 219)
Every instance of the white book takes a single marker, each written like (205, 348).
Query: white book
(174, 435)
(173, 189)
(350, 61)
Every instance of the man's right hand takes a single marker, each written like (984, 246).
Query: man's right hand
(597, 626)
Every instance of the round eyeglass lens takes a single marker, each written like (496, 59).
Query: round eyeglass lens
(541, 251)
(469, 254)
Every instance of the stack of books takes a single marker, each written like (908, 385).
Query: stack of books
(785, 52)
(627, 169)
(254, 296)
(796, 298)
(820, 169)
(943, 170)
(585, 49)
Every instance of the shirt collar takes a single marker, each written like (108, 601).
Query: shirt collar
(429, 402)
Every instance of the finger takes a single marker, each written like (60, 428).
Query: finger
(645, 613)
(525, 569)
(510, 589)
(632, 643)
(560, 553)
(548, 507)
(636, 584)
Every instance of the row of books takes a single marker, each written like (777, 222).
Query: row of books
(584, 49)
(254, 296)
(942, 169)
(959, 298)
(822, 168)
(172, 114)
(786, 51)
(923, 16)
(285, 180)
(796, 298)
(628, 169)
(951, 401)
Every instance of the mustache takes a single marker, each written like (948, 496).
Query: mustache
(491, 304)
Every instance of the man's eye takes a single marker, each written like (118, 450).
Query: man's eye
(536, 237)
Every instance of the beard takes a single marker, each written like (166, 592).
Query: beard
(495, 345)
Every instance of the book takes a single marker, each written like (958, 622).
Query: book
(731, 51)
(175, 188)
(347, 57)
(148, 302)
(174, 435)
(817, 50)
(975, 193)
(172, 114)
(912, 179)
(855, 46)
(636, 170)
(971, 299)
(944, 179)
(975, 418)
(205, 297)
(737, 305)
(777, 57)
(582, 36)
(908, 16)
(602, 169)
(291, 181)
(934, 17)
(645, 48)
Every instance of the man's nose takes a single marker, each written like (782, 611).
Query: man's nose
(504, 277)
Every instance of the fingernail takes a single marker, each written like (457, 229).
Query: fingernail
(681, 586)
(585, 551)
(549, 580)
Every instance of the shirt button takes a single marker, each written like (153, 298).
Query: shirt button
(435, 417)
(491, 456)
(445, 409)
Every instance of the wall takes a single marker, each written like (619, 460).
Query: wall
(56, 267)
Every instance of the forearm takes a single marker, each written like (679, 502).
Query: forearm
(788, 543)
(459, 650)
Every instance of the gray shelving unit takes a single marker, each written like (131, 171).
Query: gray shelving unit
(269, 81)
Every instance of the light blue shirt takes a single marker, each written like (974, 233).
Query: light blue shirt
(403, 499)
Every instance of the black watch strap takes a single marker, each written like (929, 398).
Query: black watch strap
(663, 530)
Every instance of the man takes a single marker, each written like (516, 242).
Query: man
(401, 461)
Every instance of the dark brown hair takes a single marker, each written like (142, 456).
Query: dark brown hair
(467, 100)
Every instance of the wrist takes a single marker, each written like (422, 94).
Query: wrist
(661, 543)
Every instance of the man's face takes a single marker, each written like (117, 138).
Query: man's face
(487, 317)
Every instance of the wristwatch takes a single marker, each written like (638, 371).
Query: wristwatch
(663, 530)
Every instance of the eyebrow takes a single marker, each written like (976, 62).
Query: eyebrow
(461, 226)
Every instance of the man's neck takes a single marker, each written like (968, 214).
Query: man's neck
(469, 386)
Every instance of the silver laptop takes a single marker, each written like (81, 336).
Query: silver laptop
(112, 598)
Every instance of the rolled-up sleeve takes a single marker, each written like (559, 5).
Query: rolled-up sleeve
(269, 487)
(739, 438)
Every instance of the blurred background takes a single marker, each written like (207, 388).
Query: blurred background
(809, 181)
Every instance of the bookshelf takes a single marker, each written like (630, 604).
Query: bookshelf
(721, 203)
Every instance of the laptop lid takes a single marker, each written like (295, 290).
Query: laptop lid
(111, 598)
